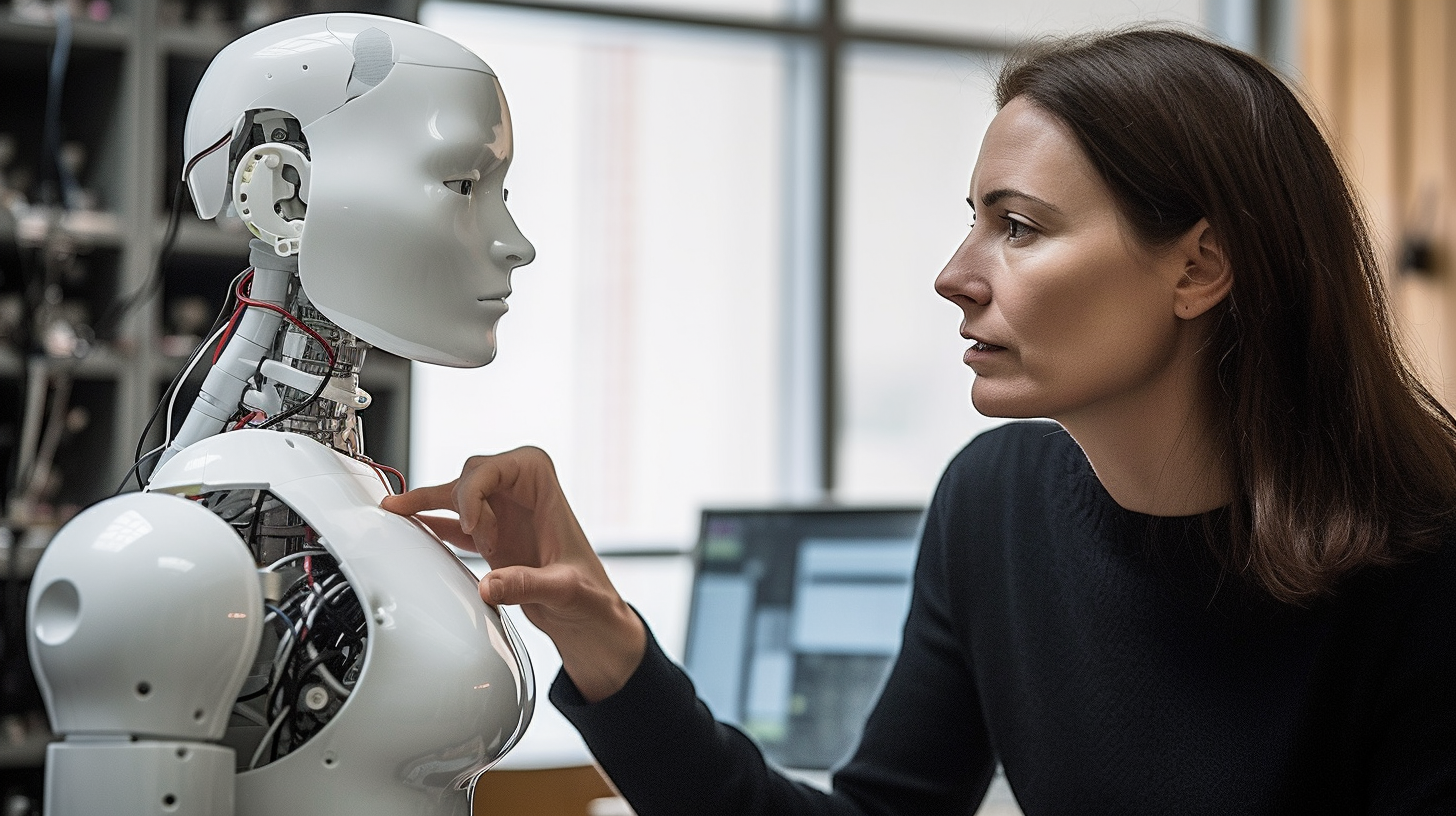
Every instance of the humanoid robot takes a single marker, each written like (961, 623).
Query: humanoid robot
(252, 633)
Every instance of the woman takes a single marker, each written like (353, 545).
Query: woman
(1218, 583)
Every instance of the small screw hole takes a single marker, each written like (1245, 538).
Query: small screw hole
(169, 800)
(198, 715)
(183, 753)
(143, 688)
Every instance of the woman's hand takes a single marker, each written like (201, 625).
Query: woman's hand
(513, 512)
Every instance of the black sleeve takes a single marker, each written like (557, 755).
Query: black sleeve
(665, 753)
(924, 749)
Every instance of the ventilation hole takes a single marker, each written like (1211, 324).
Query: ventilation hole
(330, 762)
(198, 715)
(183, 753)
(305, 67)
(169, 800)
(144, 688)
(289, 443)
(242, 196)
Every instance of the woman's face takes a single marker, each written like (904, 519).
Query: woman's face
(1070, 315)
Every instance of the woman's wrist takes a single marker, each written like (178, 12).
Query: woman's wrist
(602, 660)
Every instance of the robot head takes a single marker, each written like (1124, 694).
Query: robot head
(376, 151)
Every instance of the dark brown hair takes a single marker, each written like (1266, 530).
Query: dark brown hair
(1340, 458)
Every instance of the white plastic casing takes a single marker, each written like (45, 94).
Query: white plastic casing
(392, 249)
(139, 778)
(446, 687)
(144, 618)
(301, 66)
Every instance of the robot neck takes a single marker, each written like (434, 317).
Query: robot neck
(283, 365)
(308, 381)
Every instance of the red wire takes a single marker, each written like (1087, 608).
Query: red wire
(247, 301)
(380, 471)
(252, 415)
(227, 333)
(403, 488)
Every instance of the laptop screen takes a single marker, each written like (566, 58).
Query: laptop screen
(796, 616)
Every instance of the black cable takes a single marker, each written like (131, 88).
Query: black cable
(136, 467)
(176, 383)
(317, 392)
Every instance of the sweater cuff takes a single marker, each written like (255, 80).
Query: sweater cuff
(655, 679)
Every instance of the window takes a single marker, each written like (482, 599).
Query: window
(732, 301)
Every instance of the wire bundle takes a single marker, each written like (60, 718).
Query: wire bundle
(238, 301)
(321, 637)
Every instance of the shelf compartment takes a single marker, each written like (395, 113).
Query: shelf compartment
(90, 116)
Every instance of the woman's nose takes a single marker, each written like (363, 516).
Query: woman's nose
(960, 282)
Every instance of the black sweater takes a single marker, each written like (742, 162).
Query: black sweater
(1100, 656)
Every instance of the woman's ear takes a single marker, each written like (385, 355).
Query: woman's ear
(1207, 277)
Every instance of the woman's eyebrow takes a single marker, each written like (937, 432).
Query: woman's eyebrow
(990, 198)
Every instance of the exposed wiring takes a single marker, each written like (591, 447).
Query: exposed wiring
(186, 372)
(171, 389)
(316, 666)
(317, 392)
(267, 738)
(252, 416)
(280, 613)
(382, 471)
(273, 567)
(250, 714)
(228, 332)
(136, 468)
(403, 488)
(244, 299)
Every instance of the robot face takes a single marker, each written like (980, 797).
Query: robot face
(408, 243)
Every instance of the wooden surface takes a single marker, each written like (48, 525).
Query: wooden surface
(549, 792)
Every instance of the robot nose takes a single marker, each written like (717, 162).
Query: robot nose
(514, 253)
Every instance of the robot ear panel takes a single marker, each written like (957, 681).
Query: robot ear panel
(373, 60)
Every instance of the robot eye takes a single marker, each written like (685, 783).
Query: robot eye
(461, 186)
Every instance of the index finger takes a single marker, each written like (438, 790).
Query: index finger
(434, 497)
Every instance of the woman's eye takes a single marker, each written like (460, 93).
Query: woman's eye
(1016, 229)
(461, 186)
